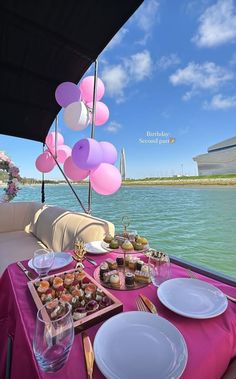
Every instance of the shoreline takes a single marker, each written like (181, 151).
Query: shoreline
(188, 182)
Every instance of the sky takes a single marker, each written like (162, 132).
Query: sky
(170, 75)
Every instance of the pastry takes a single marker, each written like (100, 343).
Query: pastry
(111, 264)
(92, 306)
(129, 279)
(103, 268)
(115, 280)
(106, 275)
(120, 261)
(127, 259)
(43, 286)
(141, 277)
(108, 238)
(132, 263)
(145, 268)
(57, 282)
(114, 244)
(137, 246)
(127, 245)
(69, 279)
(139, 265)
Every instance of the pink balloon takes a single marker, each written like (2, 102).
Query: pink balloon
(86, 88)
(63, 152)
(87, 153)
(73, 172)
(102, 113)
(51, 139)
(67, 93)
(45, 162)
(76, 116)
(109, 152)
(106, 179)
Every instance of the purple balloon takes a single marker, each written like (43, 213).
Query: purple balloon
(109, 152)
(87, 153)
(67, 93)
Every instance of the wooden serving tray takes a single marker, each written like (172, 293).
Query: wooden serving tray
(89, 320)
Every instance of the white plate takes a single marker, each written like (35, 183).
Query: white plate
(105, 246)
(95, 247)
(192, 298)
(140, 345)
(60, 260)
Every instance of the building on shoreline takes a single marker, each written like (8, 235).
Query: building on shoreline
(123, 164)
(220, 159)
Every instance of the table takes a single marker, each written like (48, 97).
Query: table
(211, 343)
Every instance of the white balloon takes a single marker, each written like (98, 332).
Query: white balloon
(76, 116)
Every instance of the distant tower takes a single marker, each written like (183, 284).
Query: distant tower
(123, 164)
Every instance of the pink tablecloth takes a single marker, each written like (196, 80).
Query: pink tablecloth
(211, 343)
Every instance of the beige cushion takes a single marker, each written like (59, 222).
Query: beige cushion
(18, 216)
(58, 228)
(16, 246)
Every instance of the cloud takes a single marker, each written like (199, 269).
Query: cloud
(133, 69)
(116, 79)
(220, 102)
(217, 25)
(139, 65)
(206, 76)
(113, 127)
(117, 39)
(232, 61)
(167, 61)
(146, 17)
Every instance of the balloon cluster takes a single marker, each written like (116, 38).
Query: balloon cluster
(78, 103)
(95, 159)
(88, 157)
(45, 161)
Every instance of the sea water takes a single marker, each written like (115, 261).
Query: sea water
(194, 223)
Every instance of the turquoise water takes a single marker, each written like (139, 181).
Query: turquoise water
(198, 224)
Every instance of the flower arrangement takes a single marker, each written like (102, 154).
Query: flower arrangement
(13, 177)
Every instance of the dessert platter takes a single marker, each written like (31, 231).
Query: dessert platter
(91, 303)
(126, 272)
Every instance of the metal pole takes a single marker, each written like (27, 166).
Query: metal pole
(56, 131)
(93, 127)
(69, 184)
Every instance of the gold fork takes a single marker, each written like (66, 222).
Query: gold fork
(140, 305)
(193, 276)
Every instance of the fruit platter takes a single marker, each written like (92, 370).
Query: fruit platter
(91, 303)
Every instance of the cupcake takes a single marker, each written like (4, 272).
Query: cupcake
(139, 265)
(111, 264)
(108, 238)
(114, 244)
(115, 281)
(103, 268)
(129, 279)
(127, 245)
(137, 246)
(120, 261)
(57, 282)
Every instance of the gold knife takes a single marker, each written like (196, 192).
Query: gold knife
(148, 304)
(26, 272)
(89, 354)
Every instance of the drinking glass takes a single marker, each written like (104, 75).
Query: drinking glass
(53, 339)
(42, 261)
(159, 267)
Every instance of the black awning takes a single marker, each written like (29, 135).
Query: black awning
(44, 43)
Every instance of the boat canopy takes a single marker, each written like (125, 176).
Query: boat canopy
(45, 43)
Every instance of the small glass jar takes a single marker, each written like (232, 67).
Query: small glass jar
(159, 267)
